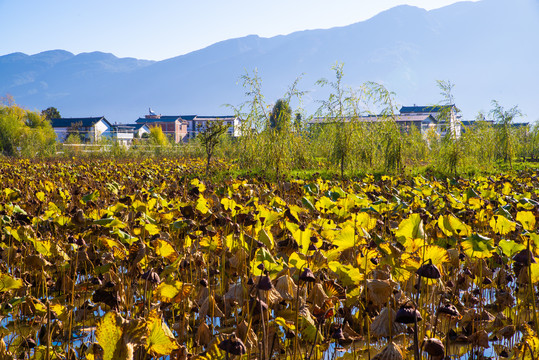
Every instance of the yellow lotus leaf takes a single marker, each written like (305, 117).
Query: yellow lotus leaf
(40, 196)
(282, 322)
(117, 247)
(528, 345)
(412, 245)
(151, 203)
(173, 291)
(297, 261)
(62, 220)
(303, 238)
(197, 183)
(348, 274)
(507, 188)
(43, 247)
(9, 283)
(410, 228)
(109, 334)
(478, 246)
(229, 204)
(165, 249)
(346, 238)
(151, 229)
(475, 203)
(435, 253)
(213, 243)
(324, 204)
(58, 309)
(269, 216)
(534, 268)
(527, 219)
(510, 247)
(202, 205)
(160, 341)
(502, 225)
(365, 221)
(364, 260)
(452, 226)
(266, 238)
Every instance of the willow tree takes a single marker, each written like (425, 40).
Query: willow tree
(334, 110)
(504, 134)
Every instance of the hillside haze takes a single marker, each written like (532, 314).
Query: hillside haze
(488, 49)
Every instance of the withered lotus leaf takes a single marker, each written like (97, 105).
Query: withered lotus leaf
(385, 325)
(429, 271)
(391, 352)
(293, 264)
(408, 315)
(307, 275)
(434, 347)
(233, 346)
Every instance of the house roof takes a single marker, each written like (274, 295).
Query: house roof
(162, 118)
(398, 118)
(415, 118)
(425, 109)
(226, 117)
(136, 127)
(85, 122)
(172, 118)
(491, 123)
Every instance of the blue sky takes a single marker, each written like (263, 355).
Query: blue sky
(161, 29)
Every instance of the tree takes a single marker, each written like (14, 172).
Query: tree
(24, 132)
(504, 134)
(50, 113)
(280, 116)
(157, 136)
(209, 137)
(335, 107)
(451, 155)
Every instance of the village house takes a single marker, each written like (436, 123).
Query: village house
(89, 129)
(175, 127)
(422, 123)
(423, 118)
(126, 133)
(181, 128)
(446, 116)
(199, 123)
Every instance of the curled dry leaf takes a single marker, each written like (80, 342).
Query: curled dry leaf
(317, 295)
(507, 331)
(251, 340)
(209, 307)
(380, 326)
(391, 352)
(235, 295)
(286, 287)
(379, 291)
(434, 347)
(203, 336)
(239, 259)
(479, 338)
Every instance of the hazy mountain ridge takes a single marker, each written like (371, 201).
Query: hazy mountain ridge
(488, 49)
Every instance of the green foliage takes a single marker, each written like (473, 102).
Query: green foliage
(51, 113)
(157, 137)
(280, 116)
(24, 132)
(505, 136)
(209, 138)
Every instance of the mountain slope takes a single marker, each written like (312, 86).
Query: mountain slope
(488, 49)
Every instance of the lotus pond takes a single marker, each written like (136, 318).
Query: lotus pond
(144, 260)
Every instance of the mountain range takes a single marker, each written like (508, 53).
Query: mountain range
(488, 49)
